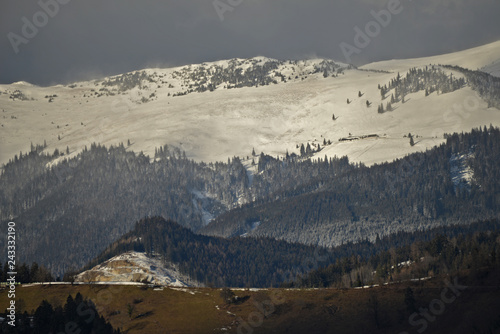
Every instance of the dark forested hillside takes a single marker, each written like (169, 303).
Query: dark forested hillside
(457, 182)
(264, 262)
(447, 253)
(236, 262)
(84, 203)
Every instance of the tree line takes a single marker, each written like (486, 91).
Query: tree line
(87, 202)
(429, 79)
(237, 262)
(262, 262)
(77, 315)
(446, 253)
(487, 85)
(342, 202)
(26, 273)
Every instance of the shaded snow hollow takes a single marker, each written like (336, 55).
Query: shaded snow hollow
(461, 172)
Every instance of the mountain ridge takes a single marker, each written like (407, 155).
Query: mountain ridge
(120, 149)
(89, 201)
(226, 122)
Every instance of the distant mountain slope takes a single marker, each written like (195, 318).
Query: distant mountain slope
(442, 254)
(235, 262)
(222, 109)
(493, 68)
(130, 105)
(88, 201)
(473, 59)
(104, 164)
(417, 192)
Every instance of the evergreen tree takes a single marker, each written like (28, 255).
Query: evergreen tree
(23, 274)
(410, 301)
(70, 309)
(43, 318)
(34, 272)
(308, 149)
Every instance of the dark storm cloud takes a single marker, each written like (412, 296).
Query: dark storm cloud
(90, 38)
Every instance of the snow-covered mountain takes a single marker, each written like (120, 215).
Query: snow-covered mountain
(136, 267)
(222, 109)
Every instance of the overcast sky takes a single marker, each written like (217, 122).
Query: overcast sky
(93, 38)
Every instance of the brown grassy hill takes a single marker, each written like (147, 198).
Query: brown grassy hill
(136, 309)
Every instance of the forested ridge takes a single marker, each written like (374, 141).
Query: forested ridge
(236, 262)
(86, 202)
(429, 79)
(26, 273)
(445, 253)
(487, 85)
(231, 74)
(261, 262)
(416, 192)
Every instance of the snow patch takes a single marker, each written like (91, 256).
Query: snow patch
(460, 171)
(23, 83)
(253, 227)
(199, 201)
(136, 267)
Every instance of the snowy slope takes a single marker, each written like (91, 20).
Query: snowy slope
(136, 267)
(493, 68)
(473, 59)
(292, 104)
